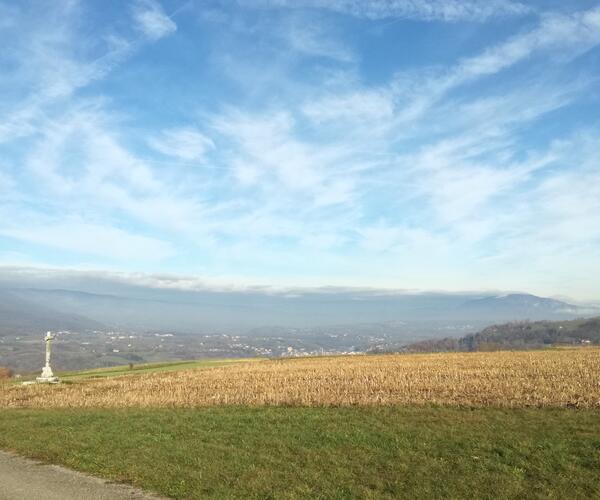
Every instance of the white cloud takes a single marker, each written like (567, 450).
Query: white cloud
(310, 37)
(305, 166)
(90, 239)
(53, 63)
(557, 37)
(468, 161)
(409, 98)
(79, 161)
(384, 237)
(430, 10)
(475, 161)
(52, 66)
(151, 19)
(185, 144)
(245, 173)
(575, 33)
(549, 233)
(267, 148)
(364, 107)
(569, 198)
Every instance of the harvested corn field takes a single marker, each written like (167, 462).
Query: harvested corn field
(552, 378)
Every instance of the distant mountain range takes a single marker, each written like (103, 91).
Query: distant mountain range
(39, 309)
(158, 325)
(519, 306)
(19, 314)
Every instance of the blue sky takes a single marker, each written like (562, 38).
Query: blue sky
(441, 145)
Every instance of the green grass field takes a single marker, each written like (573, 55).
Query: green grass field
(362, 452)
(137, 369)
(140, 368)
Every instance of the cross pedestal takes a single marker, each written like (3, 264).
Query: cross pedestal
(47, 377)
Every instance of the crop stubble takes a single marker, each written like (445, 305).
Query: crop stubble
(551, 378)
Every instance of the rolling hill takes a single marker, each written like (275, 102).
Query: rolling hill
(518, 335)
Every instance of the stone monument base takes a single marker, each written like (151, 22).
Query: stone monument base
(47, 377)
(47, 380)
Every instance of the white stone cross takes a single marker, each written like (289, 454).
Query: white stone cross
(47, 376)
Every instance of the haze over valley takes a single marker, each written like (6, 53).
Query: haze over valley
(137, 324)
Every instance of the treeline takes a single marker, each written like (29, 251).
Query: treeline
(518, 335)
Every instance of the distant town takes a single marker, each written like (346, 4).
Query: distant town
(102, 348)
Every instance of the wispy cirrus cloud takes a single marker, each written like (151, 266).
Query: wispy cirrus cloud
(562, 33)
(55, 62)
(359, 106)
(151, 19)
(104, 174)
(86, 238)
(269, 151)
(558, 37)
(314, 38)
(444, 10)
(184, 143)
(320, 156)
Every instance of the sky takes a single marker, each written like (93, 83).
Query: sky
(404, 144)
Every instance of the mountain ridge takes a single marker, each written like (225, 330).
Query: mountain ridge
(194, 310)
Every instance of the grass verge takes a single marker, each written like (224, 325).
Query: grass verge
(356, 452)
(141, 368)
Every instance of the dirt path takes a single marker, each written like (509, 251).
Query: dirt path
(23, 479)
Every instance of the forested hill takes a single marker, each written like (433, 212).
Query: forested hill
(518, 335)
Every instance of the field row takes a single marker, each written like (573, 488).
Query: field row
(553, 378)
